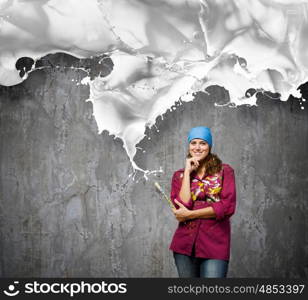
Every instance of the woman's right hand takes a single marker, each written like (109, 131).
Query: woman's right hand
(192, 164)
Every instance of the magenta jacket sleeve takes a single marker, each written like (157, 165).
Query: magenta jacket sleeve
(225, 208)
(176, 185)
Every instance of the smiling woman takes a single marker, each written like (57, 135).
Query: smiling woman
(204, 196)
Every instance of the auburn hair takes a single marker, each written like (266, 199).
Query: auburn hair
(212, 163)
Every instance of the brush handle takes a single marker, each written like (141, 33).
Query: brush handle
(165, 196)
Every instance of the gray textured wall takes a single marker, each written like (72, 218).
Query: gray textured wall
(68, 207)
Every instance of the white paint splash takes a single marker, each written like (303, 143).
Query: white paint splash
(162, 51)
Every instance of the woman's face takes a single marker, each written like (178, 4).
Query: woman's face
(199, 148)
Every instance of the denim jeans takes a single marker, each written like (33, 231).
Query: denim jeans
(189, 266)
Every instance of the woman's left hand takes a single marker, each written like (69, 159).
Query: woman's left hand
(182, 213)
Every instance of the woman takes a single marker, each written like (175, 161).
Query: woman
(204, 197)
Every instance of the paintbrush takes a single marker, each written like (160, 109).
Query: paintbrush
(164, 195)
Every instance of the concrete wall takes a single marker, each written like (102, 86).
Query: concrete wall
(69, 208)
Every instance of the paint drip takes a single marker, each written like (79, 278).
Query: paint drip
(162, 51)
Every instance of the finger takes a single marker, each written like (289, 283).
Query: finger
(195, 163)
(193, 159)
(178, 203)
(197, 160)
(195, 166)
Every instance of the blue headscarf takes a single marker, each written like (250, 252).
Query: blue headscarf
(200, 132)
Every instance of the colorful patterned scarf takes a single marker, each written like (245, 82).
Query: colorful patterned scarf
(207, 188)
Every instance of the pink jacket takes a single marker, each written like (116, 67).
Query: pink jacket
(211, 237)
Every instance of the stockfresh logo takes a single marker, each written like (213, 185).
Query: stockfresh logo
(12, 291)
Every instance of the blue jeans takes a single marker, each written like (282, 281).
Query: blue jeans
(192, 267)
